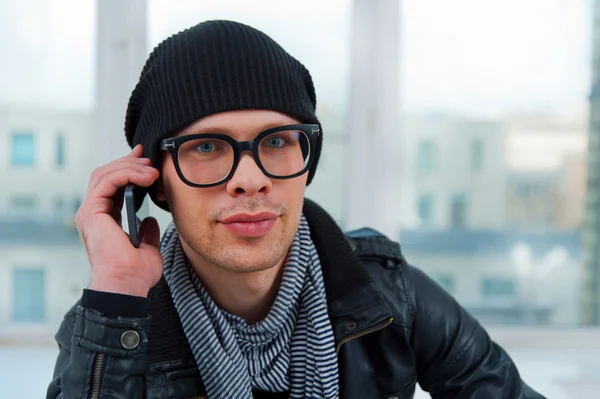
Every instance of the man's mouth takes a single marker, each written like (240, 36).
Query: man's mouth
(250, 225)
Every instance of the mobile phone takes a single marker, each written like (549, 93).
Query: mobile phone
(132, 220)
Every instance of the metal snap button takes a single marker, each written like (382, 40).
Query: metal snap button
(350, 325)
(130, 339)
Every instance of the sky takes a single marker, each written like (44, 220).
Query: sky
(474, 57)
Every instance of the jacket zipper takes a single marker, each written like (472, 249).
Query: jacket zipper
(378, 327)
(97, 376)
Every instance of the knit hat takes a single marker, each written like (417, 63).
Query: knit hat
(213, 67)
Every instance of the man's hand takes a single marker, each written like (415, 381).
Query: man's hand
(117, 266)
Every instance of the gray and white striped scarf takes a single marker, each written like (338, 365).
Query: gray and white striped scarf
(291, 349)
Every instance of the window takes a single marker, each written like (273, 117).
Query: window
(60, 150)
(22, 203)
(425, 210)
(59, 206)
(426, 157)
(28, 295)
(458, 211)
(498, 287)
(477, 155)
(22, 149)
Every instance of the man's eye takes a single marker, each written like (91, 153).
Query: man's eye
(276, 142)
(206, 147)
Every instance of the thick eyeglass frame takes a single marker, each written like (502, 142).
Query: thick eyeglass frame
(173, 144)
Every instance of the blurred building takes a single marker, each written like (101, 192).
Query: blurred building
(454, 173)
(457, 173)
(44, 173)
(49, 158)
(46, 163)
(43, 269)
(590, 287)
(545, 158)
(502, 276)
(480, 191)
(532, 199)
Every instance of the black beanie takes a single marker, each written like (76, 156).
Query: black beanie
(213, 67)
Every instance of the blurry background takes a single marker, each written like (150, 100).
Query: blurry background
(468, 130)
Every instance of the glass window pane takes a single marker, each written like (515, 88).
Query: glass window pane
(458, 211)
(22, 149)
(425, 210)
(22, 203)
(60, 150)
(426, 157)
(28, 295)
(498, 287)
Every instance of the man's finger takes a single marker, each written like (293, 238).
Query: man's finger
(108, 187)
(100, 173)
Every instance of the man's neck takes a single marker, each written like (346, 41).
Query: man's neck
(247, 295)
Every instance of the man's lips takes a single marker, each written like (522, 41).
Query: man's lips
(247, 225)
(246, 217)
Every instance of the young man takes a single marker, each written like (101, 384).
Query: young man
(253, 290)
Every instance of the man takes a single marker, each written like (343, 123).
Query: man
(253, 290)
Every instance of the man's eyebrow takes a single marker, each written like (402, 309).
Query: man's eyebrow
(228, 131)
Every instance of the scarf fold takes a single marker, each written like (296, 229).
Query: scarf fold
(291, 349)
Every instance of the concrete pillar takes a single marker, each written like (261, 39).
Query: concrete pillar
(121, 52)
(374, 125)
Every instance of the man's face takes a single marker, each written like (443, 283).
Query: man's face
(210, 220)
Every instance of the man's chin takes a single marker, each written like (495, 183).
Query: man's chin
(250, 255)
(246, 262)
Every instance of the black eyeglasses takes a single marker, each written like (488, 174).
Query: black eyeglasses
(207, 160)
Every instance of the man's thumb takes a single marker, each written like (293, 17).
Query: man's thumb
(150, 232)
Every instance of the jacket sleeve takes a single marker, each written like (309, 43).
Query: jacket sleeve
(100, 356)
(455, 356)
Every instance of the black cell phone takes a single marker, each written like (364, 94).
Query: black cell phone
(132, 220)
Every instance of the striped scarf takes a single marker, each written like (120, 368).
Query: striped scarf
(291, 349)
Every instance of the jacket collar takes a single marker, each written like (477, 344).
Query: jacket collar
(353, 300)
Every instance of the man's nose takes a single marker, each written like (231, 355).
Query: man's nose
(248, 178)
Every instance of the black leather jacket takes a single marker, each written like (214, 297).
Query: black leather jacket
(393, 327)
